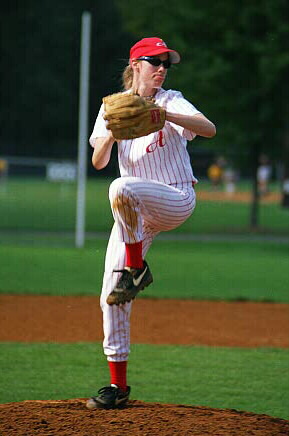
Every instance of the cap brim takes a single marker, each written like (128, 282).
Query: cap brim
(173, 55)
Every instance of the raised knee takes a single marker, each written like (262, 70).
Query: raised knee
(120, 189)
(116, 189)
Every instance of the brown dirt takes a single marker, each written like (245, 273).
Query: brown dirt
(70, 417)
(73, 319)
(153, 321)
(238, 197)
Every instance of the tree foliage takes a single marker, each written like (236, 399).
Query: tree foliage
(234, 67)
(40, 55)
(235, 63)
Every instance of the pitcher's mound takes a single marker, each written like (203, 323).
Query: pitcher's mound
(70, 417)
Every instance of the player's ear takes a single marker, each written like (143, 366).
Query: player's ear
(134, 64)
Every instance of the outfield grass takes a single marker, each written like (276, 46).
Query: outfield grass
(40, 206)
(181, 269)
(252, 380)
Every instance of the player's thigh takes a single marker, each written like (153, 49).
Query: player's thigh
(165, 207)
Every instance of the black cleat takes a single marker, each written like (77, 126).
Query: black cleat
(130, 283)
(109, 397)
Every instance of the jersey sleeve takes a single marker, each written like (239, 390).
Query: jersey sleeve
(99, 129)
(178, 104)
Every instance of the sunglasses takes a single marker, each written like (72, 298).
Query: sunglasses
(156, 62)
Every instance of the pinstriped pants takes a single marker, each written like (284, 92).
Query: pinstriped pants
(141, 209)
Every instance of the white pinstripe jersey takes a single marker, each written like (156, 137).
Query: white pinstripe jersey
(161, 155)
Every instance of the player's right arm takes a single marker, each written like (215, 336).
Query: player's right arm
(102, 151)
(102, 141)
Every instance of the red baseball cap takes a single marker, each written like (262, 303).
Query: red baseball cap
(153, 47)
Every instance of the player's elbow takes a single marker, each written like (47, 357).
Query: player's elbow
(213, 131)
(101, 152)
(95, 164)
(210, 130)
(98, 164)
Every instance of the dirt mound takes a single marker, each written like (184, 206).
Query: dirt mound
(70, 417)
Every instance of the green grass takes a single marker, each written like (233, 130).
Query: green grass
(34, 204)
(221, 270)
(254, 380)
(227, 217)
(244, 379)
(181, 269)
(51, 270)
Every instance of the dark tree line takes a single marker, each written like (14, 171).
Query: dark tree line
(235, 62)
(40, 55)
(235, 68)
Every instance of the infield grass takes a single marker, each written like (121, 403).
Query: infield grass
(254, 380)
(181, 269)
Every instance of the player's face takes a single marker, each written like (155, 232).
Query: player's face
(153, 76)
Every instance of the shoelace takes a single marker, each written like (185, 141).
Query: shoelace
(126, 278)
(124, 271)
(107, 390)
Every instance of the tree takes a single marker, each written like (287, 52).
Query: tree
(40, 49)
(235, 68)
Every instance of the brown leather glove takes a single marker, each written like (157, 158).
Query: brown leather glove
(130, 116)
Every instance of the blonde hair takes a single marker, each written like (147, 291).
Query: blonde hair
(127, 77)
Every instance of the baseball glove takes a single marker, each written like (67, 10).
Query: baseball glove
(130, 116)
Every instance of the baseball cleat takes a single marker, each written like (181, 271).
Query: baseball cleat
(130, 283)
(109, 397)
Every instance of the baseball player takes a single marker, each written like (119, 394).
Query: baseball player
(155, 193)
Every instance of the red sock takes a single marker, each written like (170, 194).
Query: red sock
(118, 374)
(134, 255)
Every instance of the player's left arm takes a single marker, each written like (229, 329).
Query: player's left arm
(197, 123)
